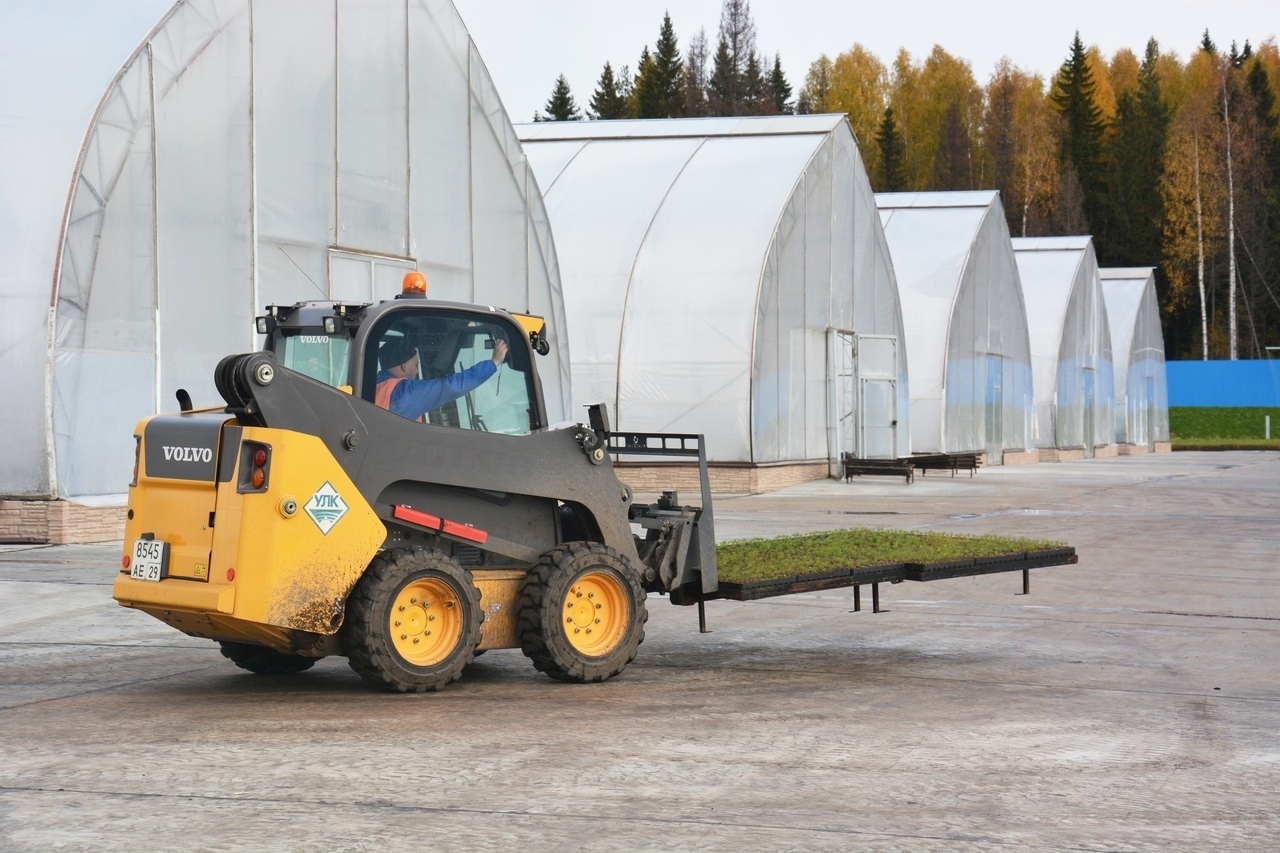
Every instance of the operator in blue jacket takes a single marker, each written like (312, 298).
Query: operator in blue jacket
(400, 390)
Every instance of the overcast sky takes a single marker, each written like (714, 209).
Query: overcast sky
(526, 44)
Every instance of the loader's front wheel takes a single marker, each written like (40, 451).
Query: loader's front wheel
(582, 613)
(413, 621)
(264, 661)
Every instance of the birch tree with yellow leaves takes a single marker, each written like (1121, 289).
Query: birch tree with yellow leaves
(1020, 148)
(858, 86)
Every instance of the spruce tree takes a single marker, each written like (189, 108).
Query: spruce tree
(752, 89)
(1265, 251)
(607, 102)
(953, 164)
(667, 70)
(1239, 57)
(722, 87)
(779, 88)
(893, 155)
(560, 106)
(1130, 231)
(1081, 144)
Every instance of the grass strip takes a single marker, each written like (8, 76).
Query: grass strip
(747, 560)
(1214, 426)
(1226, 443)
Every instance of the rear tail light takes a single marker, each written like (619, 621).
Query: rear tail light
(255, 467)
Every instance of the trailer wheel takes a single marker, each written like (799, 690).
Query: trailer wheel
(264, 661)
(582, 613)
(413, 621)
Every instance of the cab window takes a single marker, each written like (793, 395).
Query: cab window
(429, 365)
(320, 356)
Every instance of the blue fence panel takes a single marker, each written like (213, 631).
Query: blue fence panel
(1224, 383)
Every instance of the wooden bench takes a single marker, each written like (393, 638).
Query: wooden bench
(952, 462)
(877, 468)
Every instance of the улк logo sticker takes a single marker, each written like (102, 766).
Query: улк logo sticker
(326, 508)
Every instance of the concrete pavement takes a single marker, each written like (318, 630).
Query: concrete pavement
(1132, 702)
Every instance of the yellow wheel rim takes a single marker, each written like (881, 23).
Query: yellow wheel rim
(426, 621)
(596, 613)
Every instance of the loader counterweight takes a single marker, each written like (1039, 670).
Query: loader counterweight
(271, 565)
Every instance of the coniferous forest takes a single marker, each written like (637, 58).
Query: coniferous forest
(1166, 161)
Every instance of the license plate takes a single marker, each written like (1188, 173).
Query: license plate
(150, 559)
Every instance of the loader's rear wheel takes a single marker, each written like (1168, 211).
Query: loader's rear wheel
(413, 621)
(264, 661)
(582, 613)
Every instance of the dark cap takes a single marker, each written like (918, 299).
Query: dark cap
(394, 352)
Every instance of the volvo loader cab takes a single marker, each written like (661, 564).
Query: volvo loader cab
(345, 346)
(302, 519)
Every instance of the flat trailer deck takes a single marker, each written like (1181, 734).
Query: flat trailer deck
(894, 573)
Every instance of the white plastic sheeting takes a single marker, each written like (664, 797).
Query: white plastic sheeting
(966, 325)
(56, 58)
(1070, 342)
(728, 277)
(252, 153)
(1137, 343)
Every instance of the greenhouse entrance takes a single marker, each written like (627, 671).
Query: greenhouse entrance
(875, 361)
(865, 370)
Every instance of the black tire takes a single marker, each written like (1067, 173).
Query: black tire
(264, 661)
(560, 613)
(391, 636)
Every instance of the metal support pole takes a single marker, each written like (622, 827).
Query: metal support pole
(875, 598)
(857, 597)
(702, 617)
(1026, 582)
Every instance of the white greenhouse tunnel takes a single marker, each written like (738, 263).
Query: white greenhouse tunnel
(728, 277)
(1137, 344)
(965, 322)
(1070, 343)
(243, 154)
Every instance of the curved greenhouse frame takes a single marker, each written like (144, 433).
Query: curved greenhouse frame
(728, 277)
(1070, 345)
(269, 152)
(966, 325)
(1137, 343)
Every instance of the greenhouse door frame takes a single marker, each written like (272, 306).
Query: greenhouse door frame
(356, 276)
(877, 427)
(842, 401)
(857, 428)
